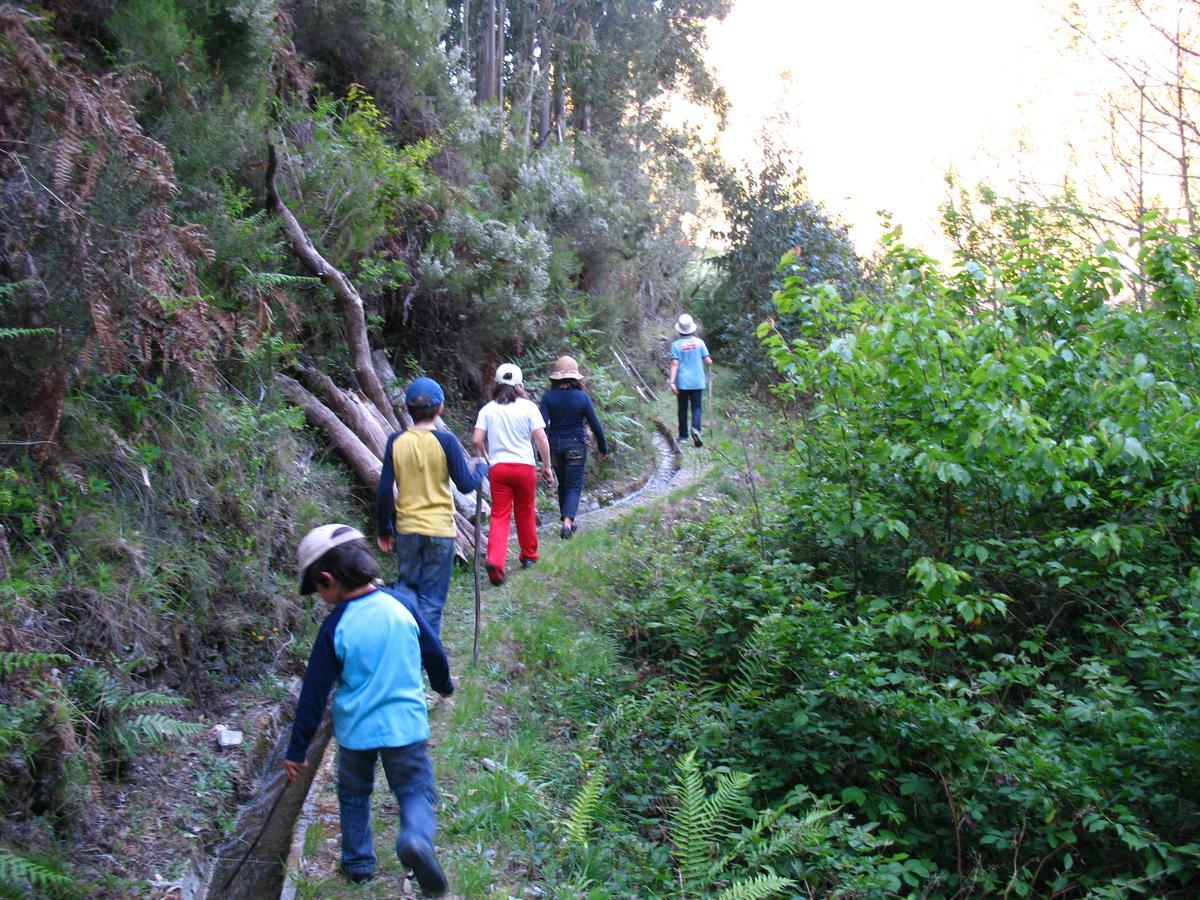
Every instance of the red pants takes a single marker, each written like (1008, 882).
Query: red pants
(514, 487)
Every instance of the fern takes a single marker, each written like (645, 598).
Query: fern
(265, 280)
(12, 661)
(755, 888)
(143, 699)
(583, 808)
(7, 290)
(708, 838)
(759, 660)
(691, 824)
(7, 333)
(23, 877)
(105, 708)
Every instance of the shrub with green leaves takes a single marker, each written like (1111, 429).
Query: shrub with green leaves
(971, 617)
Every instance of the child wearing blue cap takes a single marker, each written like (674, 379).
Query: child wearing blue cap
(414, 506)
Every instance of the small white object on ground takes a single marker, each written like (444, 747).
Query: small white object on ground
(227, 737)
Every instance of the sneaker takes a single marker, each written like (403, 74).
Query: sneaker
(495, 574)
(418, 855)
(526, 562)
(696, 439)
(358, 877)
(566, 531)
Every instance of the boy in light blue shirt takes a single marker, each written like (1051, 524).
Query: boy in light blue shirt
(689, 375)
(373, 644)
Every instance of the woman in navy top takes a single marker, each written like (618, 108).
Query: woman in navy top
(566, 407)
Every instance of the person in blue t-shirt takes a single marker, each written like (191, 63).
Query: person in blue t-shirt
(373, 645)
(689, 375)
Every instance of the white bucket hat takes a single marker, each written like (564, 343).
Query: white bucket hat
(510, 374)
(686, 324)
(317, 543)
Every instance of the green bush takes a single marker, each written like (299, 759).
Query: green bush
(971, 619)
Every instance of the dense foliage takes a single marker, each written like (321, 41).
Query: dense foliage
(971, 616)
(156, 479)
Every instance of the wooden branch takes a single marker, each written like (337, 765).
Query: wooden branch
(353, 317)
(357, 414)
(366, 465)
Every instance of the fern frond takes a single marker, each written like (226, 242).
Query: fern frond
(277, 279)
(759, 661)
(755, 888)
(20, 876)
(9, 333)
(12, 661)
(728, 803)
(155, 728)
(691, 823)
(13, 286)
(583, 808)
(142, 699)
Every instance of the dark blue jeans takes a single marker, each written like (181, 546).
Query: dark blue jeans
(568, 459)
(696, 398)
(410, 776)
(424, 564)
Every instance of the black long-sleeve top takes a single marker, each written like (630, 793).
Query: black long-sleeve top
(565, 410)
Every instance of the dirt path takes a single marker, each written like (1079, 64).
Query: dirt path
(312, 869)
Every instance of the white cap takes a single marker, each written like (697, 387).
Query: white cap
(686, 324)
(510, 374)
(317, 543)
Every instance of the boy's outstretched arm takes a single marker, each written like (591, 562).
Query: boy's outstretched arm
(322, 671)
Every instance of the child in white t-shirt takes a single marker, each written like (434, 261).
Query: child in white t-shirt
(505, 432)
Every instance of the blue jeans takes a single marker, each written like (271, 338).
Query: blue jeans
(410, 776)
(696, 398)
(568, 460)
(424, 564)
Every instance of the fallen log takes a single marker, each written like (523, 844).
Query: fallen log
(366, 465)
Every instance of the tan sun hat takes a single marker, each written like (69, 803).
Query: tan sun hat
(686, 324)
(565, 367)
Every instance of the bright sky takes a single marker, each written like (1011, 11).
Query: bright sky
(884, 96)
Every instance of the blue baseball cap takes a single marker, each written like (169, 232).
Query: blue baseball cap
(424, 392)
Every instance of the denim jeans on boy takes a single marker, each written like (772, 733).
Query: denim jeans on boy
(568, 459)
(410, 776)
(424, 565)
(696, 398)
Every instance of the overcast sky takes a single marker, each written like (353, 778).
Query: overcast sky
(885, 96)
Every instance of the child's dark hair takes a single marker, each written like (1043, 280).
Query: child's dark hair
(505, 393)
(568, 384)
(352, 564)
(422, 413)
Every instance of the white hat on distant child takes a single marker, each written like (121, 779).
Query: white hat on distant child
(686, 324)
(510, 374)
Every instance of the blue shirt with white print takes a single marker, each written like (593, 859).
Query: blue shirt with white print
(690, 351)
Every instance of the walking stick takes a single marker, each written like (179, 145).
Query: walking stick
(478, 583)
(712, 420)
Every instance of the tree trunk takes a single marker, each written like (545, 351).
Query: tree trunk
(353, 317)
(498, 67)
